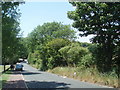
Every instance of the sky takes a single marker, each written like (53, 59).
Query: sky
(38, 13)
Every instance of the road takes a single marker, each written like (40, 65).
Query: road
(39, 79)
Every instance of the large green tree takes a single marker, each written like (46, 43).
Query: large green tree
(23, 50)
(103, 21)
(10, 32)
(48, 31)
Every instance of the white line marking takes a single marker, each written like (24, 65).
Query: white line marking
(24, 81)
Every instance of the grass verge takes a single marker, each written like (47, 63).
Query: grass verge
(1, 68)
(4, 76)
(91, 75)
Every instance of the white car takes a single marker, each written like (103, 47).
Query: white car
(19, 66)
(26, 61)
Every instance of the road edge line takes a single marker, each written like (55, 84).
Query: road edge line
(24, 81)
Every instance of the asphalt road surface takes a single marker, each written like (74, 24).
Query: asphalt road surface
(39, 79)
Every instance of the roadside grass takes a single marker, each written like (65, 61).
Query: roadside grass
(91, 75)
(4, 76)
(1, 68)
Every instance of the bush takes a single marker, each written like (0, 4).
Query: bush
(86, 61)
(54, 58)
(30, 58)
(73, 53)
(48, 56)
(34, 59)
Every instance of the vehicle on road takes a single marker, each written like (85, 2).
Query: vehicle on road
(19, 66)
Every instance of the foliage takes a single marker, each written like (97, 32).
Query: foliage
(47, 40)
(57, 43)
(10, 32)
(101, 20)
(85, 44)
(87, 61)
(47, 32)
(73, 53)
(35, 59)
(60, 52)
(54, 57)
(23, 51)
(47, 55)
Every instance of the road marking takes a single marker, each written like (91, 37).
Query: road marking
(24, 81)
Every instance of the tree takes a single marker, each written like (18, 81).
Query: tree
(47, 55)
(10, 32)
(103, 21)
(49, 31)
(23, 50)
(54, 56)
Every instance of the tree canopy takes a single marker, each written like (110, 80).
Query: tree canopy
(10, 32)
(49, 31)
(103, 21)
(45, 41)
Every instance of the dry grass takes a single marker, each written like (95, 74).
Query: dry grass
(87, 75)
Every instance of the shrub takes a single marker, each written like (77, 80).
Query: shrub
(52, 57)
(86, 61)
(73, 53)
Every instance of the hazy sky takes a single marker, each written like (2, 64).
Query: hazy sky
(37, 13)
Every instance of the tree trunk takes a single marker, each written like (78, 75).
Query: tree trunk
(109, 53)
(4, 67)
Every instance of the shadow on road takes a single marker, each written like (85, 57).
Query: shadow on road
(47, 84)
(24, 72)
(13, 85)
